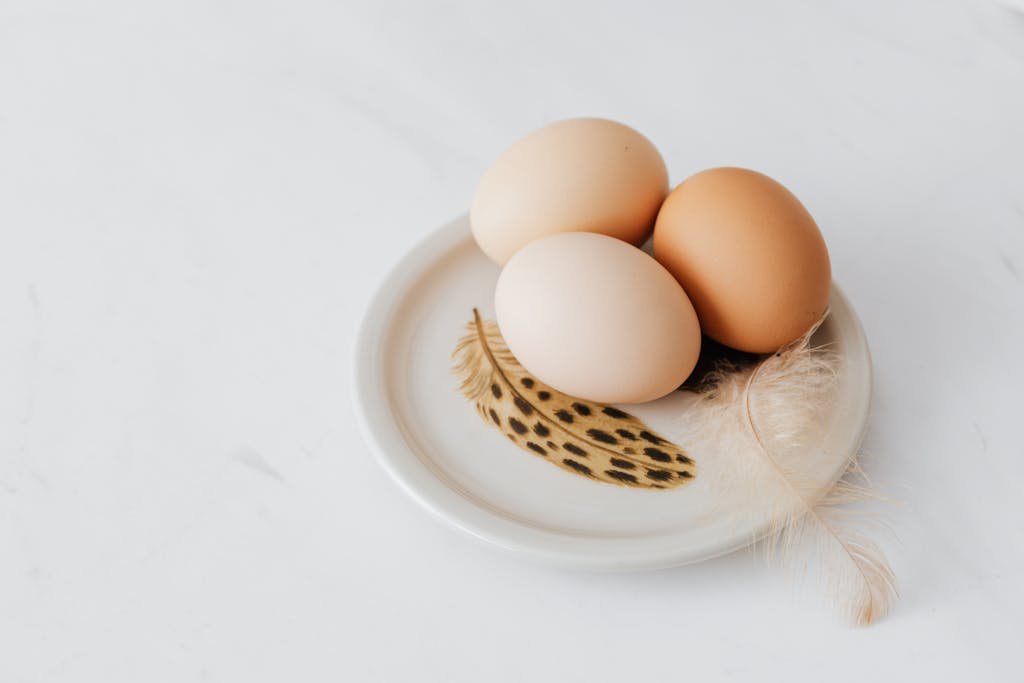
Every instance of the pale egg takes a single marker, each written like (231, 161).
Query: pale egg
(597, 318)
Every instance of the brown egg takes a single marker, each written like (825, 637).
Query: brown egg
(748, 254)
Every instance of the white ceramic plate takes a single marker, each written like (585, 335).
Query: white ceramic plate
(432, 442)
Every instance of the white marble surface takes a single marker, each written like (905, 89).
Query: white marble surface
(196, 199)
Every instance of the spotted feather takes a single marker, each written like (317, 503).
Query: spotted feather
(594, 440)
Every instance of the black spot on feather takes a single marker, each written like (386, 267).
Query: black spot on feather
(574, 449)
(624, 464)
(494, 417)
(621, 476)
(647, 436)
(659, 475)
(496, 390)
(581, 408)
(517, 426)
(541, 429)
(527, 382)
(543, 395)
(657, 454)
(626, 434)
(612, 411)
(564, 415)
(685, 475)
(683, 459)
(602, 436)
(552, 445)
(578, 466)
(524, 407)
(537, 448)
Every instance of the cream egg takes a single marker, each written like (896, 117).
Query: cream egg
(591, 175)
(597, 318)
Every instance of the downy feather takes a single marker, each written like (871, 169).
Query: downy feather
(762, 420)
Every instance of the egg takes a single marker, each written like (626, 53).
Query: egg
(597, 318)
(748, 254)
(576, 175)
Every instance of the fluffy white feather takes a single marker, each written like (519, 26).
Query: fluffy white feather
(762, 421)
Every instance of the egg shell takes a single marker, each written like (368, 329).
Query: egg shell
(597, 318)
(585, 174)
(748, 254)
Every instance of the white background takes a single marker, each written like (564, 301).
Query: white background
(197, 198)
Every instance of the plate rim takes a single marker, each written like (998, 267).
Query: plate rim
(385, 437)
